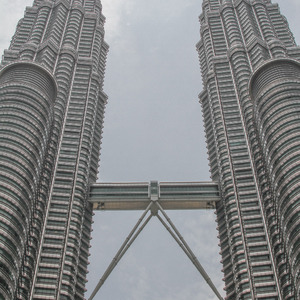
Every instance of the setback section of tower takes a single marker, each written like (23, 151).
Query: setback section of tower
(27, 95)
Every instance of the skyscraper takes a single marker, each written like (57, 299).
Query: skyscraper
(250, 67)
(51, 108)
(51, 118)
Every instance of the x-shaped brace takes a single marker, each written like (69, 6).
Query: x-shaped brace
(154, 207)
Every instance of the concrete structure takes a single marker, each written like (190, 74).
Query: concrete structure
(250, 101)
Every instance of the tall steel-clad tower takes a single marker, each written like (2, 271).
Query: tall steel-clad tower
(51, 117)
(251, 107)
(51, 114)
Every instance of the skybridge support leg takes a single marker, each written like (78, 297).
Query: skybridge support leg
(185, 247)
(154, 207)
(125, 246)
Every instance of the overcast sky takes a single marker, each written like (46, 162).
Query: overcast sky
(152, 131)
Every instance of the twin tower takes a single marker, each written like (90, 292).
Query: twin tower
(51, 118)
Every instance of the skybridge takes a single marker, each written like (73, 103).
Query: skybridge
(154, 199)
(170, 195)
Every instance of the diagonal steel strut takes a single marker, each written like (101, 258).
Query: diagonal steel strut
(187, 250)
(155, 208)
(127, 243)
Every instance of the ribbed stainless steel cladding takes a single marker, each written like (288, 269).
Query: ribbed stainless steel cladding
(27, 95)
(237, 38)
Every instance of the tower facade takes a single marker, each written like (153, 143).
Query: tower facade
(250, 100)
(51, 114)
(51, 106)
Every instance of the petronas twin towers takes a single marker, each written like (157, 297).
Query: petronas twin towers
(51, 118)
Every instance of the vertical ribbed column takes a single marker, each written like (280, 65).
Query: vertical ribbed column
(277, 47)
(275, 89)
(40, 23)
(233, 33)
(27, 94)
(71, 35)
(264, 21)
